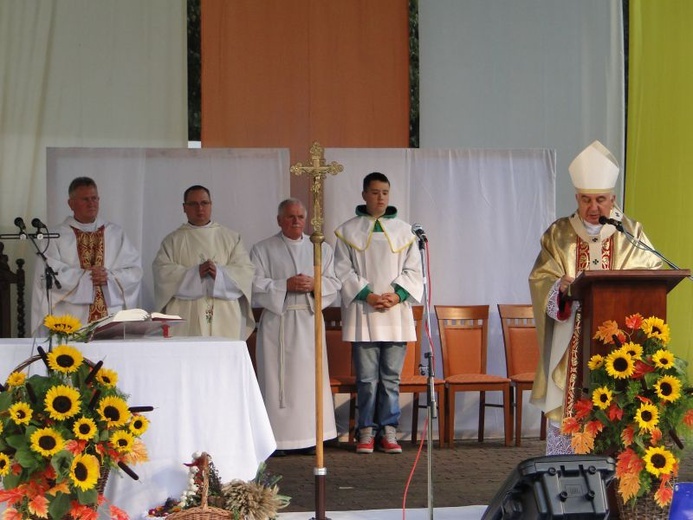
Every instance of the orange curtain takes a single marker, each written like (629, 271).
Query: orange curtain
(285, 73)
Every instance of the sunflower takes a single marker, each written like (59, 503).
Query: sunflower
(85, 428)
(138, 425)
(16, 379)
(5, 465)
(634, 349)
(62, 402)
(65, 359)
(647, 416)
(619, 364)
(663, 359)
(659, 461)
(601, 397)
(62, 325)
(84, 471)
(668, 388)
(122, 441)
(656, 328)
(106, 377)
(596, 361)
(114, 411)
(21, 413)
(47, 442)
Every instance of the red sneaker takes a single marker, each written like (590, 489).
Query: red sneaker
(388, 442)
(366, 442)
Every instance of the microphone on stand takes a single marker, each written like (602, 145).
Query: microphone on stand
(36, 222)
(616, 223)
(418, 230)
(19, 222)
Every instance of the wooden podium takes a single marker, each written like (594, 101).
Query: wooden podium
(613, 295)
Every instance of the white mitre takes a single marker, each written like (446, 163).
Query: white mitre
(594, 170)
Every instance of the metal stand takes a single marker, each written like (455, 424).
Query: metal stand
(428, 370)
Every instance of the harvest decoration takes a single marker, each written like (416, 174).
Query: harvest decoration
(61, 433)
(638, 402)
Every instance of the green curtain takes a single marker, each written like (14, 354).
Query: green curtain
(659, 158)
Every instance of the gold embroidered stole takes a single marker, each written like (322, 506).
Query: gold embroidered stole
(574, 372)
(90, 250)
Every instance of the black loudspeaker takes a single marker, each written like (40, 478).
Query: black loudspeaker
(557, 486)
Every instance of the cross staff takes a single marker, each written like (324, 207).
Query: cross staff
(318, 170)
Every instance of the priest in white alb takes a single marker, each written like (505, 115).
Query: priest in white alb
(97, 270)
(283, 286)
(203, 274)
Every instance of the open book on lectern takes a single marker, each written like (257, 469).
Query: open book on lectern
(133, 323)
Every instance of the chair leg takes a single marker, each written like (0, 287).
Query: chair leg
(450, 418)
(542, 429)
(440, 392)
(514, 391)
(506, 416)
(518, 417)
(482, 412)
(415, 418)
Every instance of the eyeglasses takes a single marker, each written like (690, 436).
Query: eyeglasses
(203, 204)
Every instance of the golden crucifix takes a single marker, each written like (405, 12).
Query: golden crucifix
(318, 170)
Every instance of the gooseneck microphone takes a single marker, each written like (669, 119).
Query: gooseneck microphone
(616, 223)
(418, 230)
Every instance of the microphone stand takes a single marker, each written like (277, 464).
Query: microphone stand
(428, 370)
(642, 245)
(50, 276)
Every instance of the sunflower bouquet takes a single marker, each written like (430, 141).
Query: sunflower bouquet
(638, 403)
(62, 432)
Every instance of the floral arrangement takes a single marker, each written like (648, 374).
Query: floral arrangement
(61, 433)
(637, 404)
(258, 499)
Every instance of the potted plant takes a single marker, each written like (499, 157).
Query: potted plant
(636, 410)
(62, 431)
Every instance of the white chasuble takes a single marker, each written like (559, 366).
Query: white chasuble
(217, 306)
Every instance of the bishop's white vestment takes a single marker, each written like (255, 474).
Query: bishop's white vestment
(76, 292)
(210, 307)
(286, 339)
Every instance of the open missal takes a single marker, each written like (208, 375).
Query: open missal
(134, 323)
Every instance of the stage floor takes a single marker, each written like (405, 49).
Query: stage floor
(439, 513)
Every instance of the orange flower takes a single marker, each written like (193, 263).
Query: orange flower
(606, 332)
(634, 321)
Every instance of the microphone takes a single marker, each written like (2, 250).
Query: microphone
(418, 230)
(36, 222)
(19, 222)
(606, 220)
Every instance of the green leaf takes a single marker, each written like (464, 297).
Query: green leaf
(5, 400)
(87, 497)
(28, 459)
(11, 481)
(59, 506)
(62, 462)
(17, 441)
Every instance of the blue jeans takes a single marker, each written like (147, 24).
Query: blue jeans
(378, 366)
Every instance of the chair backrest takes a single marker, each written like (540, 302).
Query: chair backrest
(7, 279)
(519, 337)
(413, 357)
(339, 360)
(463, 338)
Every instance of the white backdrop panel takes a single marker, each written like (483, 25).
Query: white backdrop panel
(142, 190)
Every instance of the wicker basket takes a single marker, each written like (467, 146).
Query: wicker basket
(204, 511)
(645, 509)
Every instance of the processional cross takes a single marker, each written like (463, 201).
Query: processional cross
(318, 170)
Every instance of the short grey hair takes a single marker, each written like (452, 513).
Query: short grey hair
(289, 202)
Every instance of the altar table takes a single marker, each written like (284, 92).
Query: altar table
(205, 398)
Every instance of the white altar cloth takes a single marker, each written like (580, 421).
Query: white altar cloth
(205, 398)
